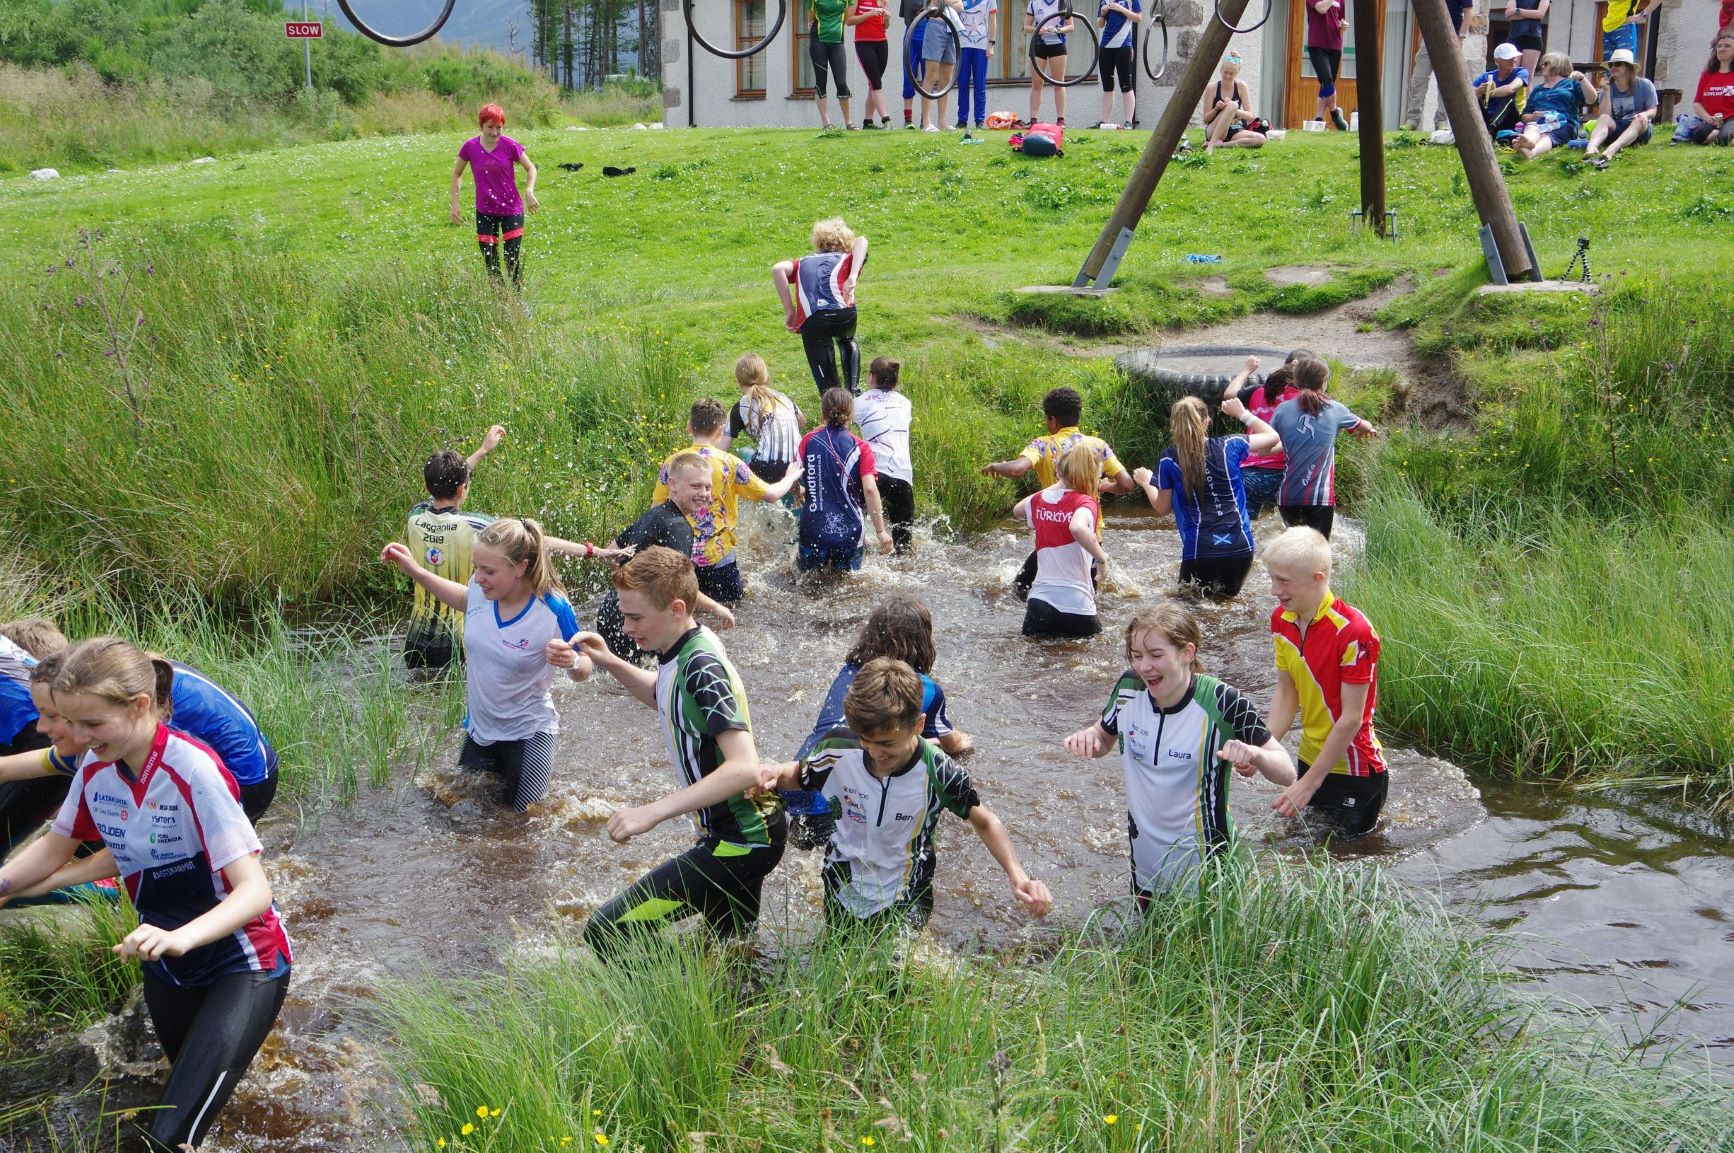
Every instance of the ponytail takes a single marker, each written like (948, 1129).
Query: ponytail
(1310, 376)
(1280, 380)
(524, 545)
(763, 401)
(1189, 422)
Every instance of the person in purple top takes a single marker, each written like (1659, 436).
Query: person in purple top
(492, 157)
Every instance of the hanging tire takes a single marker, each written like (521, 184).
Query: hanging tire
(1254, 26)
(914, 67)
(736, 53)
(398, 41)
(1076, 19)
(1157, 29)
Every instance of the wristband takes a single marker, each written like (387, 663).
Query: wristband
(589, 550)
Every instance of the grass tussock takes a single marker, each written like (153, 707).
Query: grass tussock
(1304, 1008)
(58, 970)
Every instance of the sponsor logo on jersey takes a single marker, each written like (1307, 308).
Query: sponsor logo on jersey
(904, 817)
(435, 556)
(160, 819)
(102, 798)
(184, 866)
(114, 831)
(522, 646)
(165, 839)
(166, 855)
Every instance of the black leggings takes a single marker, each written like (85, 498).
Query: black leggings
(898, 497)
(717, 880)
(1117, 62)
(818, 332)
(828, 58)
(1327, 62)
(525, 766)
(496, 232)
(1042, 619)
(873, 55)
(1319, 516)
(209, 1034)
(257, 797)
(1217, 576)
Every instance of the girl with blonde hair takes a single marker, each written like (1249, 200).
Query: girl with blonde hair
(818, 295)
(518, 628)
(1069, 557)
(768, 416)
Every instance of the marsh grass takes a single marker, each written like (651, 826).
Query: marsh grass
(1299, 1006)
(57, 970)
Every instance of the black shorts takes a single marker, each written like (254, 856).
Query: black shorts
(1042, 619)
(1217, 576)
(769, 471)
(1117, 62)
(1527, 43)
(1316, 516)
(898, 497)
(721, 582)
(715, 879)
(494, 229)
(257, 797)
(1042, 50)
(1351, 805)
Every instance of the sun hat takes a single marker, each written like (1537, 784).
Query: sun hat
(1507, 52)
(1622, 56)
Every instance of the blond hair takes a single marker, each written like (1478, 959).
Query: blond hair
(1079, 470)
(1189, 426)
(38, 636)
(681, 461)
(832, 235)
(1558, 63)
(1174, 623)
(762, 400)
(115, 671)
(522, 543)
(1299, 550)
(885, 697)
(662, 575)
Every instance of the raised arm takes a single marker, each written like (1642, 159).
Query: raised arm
(1032, 894)
(1161, 499)
(446, 592)
(489, 442)
(1240, 379)
(1014, 467)
(1259, 435)
(738, 773)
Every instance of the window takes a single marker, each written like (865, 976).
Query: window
(802, 43)
(749, 30)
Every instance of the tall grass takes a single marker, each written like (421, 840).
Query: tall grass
(1303, 1008)
(58, 971)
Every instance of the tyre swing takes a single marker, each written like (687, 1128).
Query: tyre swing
(752, 49)
(1059, 19)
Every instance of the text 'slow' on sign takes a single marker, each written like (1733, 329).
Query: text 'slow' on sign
(304, 30)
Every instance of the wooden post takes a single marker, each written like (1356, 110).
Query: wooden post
(1370, 105)
(1212, 43)
(1463, 108)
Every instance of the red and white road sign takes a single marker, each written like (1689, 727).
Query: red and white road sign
(304, 30)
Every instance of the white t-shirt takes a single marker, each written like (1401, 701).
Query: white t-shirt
(507, 666)
(976, 22)
(884, 416)
(1040, 10)
(1062, 565)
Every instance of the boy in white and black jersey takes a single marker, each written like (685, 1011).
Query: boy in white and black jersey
(886, 787)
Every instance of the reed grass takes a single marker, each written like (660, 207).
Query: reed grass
(57, 970)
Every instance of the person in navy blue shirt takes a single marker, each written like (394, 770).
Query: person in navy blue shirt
(839, 478)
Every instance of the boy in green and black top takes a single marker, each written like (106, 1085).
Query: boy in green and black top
(703, 708)
(886, 787)
(441, 535)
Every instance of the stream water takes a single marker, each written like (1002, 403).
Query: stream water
(1622, 906)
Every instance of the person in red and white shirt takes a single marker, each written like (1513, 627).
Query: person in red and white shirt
(1063, 516)
(214, 951)
(1710, 120)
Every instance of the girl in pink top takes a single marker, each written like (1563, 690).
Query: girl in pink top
(493, 156)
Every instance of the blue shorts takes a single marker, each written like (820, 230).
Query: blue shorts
(812, 557)
(939, 45)
(1625, 36)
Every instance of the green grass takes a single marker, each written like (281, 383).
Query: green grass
(57, 972)
(1309, 1007)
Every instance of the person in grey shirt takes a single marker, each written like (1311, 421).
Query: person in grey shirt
(1628, 105)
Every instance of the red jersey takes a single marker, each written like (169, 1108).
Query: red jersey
(873, 28)
(1340, 648)
(1716, 93)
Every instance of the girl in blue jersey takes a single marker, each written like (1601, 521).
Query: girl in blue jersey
(818, 296)
(518, 627)
(840, 477)
(214, 952)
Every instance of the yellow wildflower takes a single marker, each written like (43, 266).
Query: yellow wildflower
(467, 1129)
(601, 1139)
(1111, 1119)
(481, 1110)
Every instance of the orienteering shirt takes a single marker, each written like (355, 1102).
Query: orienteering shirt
(1117, 27)
(1339, 648)
(17, 710)
(1258, 403)
(698, 698)
(1045, 452)
(1040, 10)
(508, 671)
(872, 29)
(975, 23)
(836, 461)
(1309, 445)
(1212, 523)
(173, 828)
(884, 417)
(1062, 565)
(775, 430)
(821, 284)
(442, 541)
(713, 528)
(1176, 787)
(934, 722)
(496, 182)
(881, 850)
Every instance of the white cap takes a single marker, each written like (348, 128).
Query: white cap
(1506, 52)
(1622, 56)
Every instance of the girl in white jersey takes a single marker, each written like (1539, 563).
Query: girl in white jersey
(518, 626)
(1177, 729)
(1063, 517)
(884, 417)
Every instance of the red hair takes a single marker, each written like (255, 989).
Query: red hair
(491, 112)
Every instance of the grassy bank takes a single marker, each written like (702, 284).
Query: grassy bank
(1307, 1008)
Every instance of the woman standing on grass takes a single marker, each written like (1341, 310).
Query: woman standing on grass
(499, 208)
(215, 955)
(870, 19)
(1308, 426)
(825, 48)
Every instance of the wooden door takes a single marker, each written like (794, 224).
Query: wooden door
(1303, 86)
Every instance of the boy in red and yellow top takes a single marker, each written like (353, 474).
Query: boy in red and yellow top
(1327, 657)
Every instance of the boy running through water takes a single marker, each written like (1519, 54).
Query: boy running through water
(441, 536)
(1327, 658)
(1062, 408)
(886, 787)
(713, 537)
(703, 710)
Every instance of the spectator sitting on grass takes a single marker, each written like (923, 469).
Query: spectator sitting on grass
(1711, 120)
(1553, 115)
(1229, 121)
(1503, 89)
(1628, 105)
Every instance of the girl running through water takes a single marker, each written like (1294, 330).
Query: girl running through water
(214, 952)
(769, 417)
(518, 628)
(492, 157)
(1177, 731)
(1308, 426)
(1198, 480)
(840, 477)
(1063, 517)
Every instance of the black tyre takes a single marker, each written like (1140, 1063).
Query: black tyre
(736, 53)
(1078, 20)
(937, 25)
(1156, 33)
(1254, 26)
(398, 41)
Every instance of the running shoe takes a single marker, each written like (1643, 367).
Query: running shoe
(931, 128)
(869, 125)
(1341, 121)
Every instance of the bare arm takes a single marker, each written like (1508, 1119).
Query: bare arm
(35, 864)
(875, 510)
(1094, 741)
(1259, 435)
(1032, 894)
(96, 867)
(1083, 529)
(489, 442)
(738, 773)
(776, 492)
(25, 766)
(858, 255)
(1240, 379)
(1270, 760)
(781, 272)
(641, 683)
(956, 743)
(1284, 700)
(530, 200)
(1161, 499)
(249, 896)
(1015, 467)
(458, 189)
(446, 592)
(1295, 797)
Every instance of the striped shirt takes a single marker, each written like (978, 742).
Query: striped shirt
(776, 431)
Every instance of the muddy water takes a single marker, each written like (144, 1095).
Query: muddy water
(432, 876)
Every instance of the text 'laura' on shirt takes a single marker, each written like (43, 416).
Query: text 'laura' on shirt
(1062, 564)
(835, 460)
(173, 828)
(885, 417)
(1309, 445)
(881, 850)
(1213, 522)
(1176, 786)
(713, 527)
(509, 674)
(1337, 647)
(699, 697)
(496, 181)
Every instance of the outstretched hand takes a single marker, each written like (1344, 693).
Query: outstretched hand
(397, 554)
(626, 824)
(1141, 476)
(1242, 756)
(1090, 742)
(1035, 897)
(562, 655)
(495, 435)
(592, 645)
